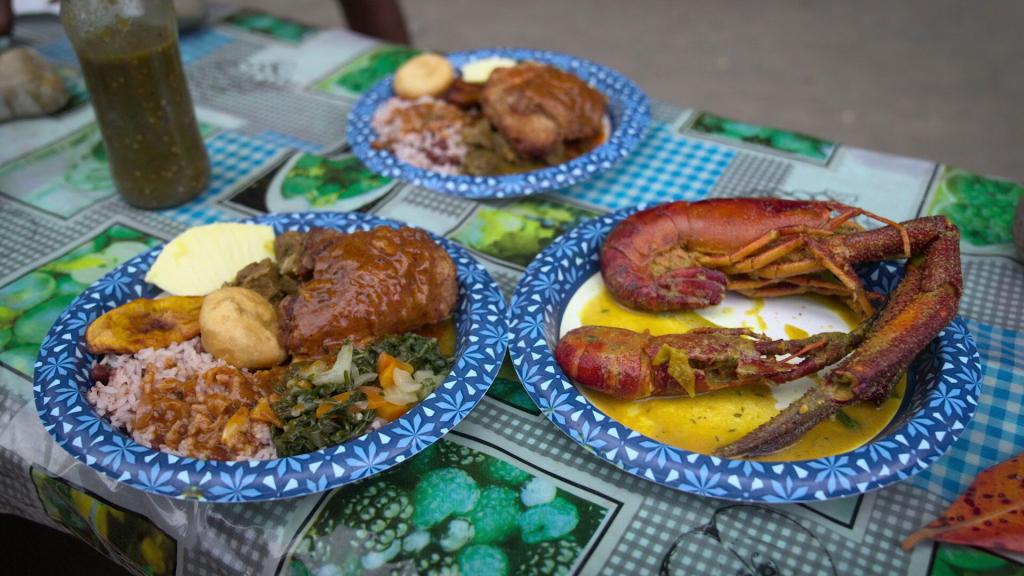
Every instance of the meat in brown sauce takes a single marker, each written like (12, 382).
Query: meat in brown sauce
(273, 280)
(463, 94)
(264, 278)
(540, 108)
(361, 285)
(489, 153)
(288, 251)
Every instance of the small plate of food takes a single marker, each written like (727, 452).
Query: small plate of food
(730, 347)
(498, 123)
(271, 358)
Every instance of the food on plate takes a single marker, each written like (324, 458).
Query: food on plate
(202, 259)
(325, 403)
(634, 365)
(463, 94)
(182, 400)
(265, 279)
(145, 323)
(240, 327)
(540, 108)
(708, 420)
(488, 152)
(330, 335)
(425, 132)
(274, 278)
(479, 71)
(500, 117)
(683, 255)
(423, 75)
(363, 285)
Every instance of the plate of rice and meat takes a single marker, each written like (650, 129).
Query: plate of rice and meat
(498, 123)
(271, 358)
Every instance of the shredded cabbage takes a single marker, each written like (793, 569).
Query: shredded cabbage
(342, 368)
(406, 389)
(363, 379)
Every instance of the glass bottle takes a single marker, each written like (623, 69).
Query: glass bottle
(128, 52)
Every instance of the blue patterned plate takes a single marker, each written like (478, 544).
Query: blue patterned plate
(942, 392)
(62, 376)
(628, 110)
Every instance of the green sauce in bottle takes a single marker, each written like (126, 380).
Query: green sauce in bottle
(128, 52)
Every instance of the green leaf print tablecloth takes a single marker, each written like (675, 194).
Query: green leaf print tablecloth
(505, 492)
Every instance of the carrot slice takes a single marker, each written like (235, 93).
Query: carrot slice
(390, 412)
(386, 365)
(324, 407)
(385, 409)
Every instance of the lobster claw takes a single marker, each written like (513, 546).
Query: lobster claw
(632, 365)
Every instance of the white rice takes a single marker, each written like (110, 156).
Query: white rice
(118, 398)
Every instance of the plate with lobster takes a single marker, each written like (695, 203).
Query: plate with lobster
(752, 349)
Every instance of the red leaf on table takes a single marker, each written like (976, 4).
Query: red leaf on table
(990, 514)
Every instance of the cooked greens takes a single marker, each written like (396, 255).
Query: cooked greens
(420, 351)
(303, 432)
(323, 404)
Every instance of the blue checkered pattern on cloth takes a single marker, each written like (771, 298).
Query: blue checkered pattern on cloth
(193, 47)
(198, 44)
(288, 141)
(233, 157)
(665, 167)
(997, 431)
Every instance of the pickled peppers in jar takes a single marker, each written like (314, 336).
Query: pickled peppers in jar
(129, 56)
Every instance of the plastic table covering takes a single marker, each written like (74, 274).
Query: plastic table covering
(272, 97)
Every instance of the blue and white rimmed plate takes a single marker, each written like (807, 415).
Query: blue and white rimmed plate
(942, 392)
(62, 375)
(629, 113)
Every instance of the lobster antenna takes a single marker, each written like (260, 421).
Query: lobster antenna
(853, 212)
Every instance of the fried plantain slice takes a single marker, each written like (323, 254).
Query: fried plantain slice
(145, 323)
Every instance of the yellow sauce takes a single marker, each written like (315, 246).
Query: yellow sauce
(756, 321)
(604, 310)
(795, 332)
(835, 306)
(705, 423)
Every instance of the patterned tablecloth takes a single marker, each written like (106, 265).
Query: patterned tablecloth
(272, 98)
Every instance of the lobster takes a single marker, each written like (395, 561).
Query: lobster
(697, 362)
(685, 255)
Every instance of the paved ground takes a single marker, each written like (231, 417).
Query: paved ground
(940, 79)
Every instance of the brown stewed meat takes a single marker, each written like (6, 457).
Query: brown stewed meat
(539, 108)
(361, 285)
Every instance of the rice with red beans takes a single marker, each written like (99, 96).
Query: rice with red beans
(118, 397)
(425, 132)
